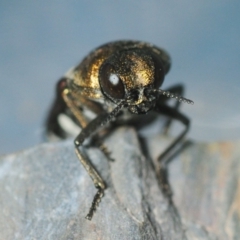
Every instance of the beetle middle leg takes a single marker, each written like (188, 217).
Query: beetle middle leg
(97, 140)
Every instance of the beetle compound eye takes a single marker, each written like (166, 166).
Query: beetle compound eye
(110, 82)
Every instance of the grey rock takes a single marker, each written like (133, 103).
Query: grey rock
(46, 193)
(205, 181)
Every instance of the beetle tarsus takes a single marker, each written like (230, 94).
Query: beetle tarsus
(95, 203)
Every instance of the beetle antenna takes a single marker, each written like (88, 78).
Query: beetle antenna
(171, 95)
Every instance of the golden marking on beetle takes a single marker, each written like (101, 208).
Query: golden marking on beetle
(143, 71)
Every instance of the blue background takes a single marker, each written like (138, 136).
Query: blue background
(40, 40)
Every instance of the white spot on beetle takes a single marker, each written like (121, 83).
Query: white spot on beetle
(114, 79)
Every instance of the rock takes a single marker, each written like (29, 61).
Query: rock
(46, 193)
(205, 180)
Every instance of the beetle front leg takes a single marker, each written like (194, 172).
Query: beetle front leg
(164, 158)
(87, 130)
(96, 178)
(95, 124)
(174, 115)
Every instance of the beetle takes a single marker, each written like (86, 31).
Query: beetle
(117, 82)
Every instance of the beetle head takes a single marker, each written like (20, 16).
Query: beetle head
(132, 75)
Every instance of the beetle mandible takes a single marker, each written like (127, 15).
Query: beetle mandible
(116, 82)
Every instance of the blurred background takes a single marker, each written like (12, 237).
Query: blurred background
(41, 40)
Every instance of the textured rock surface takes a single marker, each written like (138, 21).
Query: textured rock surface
(46, 193)
(205, 180)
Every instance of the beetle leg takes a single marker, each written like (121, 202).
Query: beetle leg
(174, 115)
(59, 106)
(97, 141)
(106, 152)
(97, 180)
(176, 89)
(74, 109)
(92, 126)
(162, 160)
(87, 130)
(62, 103)
(81, 119)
